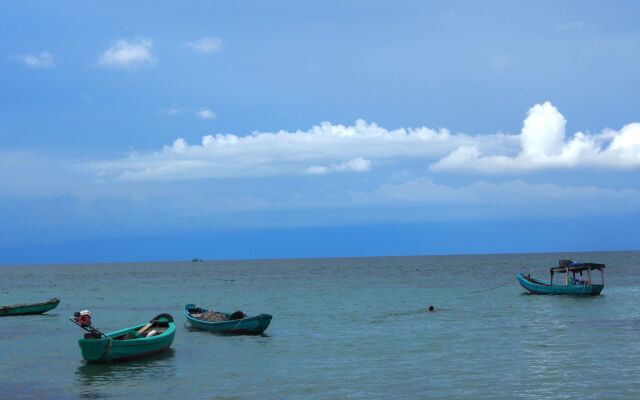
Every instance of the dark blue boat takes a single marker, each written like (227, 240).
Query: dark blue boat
(575, 282)
(236, 323)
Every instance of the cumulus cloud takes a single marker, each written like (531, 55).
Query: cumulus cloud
(41, 61)
(543, 145)
(206, 114)
(205, 45)
(128, 54)
(329, 148)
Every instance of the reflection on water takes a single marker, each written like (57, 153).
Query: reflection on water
(93, 377)
(32, 390)
(190, 328)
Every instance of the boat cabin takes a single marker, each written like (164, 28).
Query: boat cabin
(571, 268)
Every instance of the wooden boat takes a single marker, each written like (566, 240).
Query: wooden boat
(235, 323)
(29, 309)
(571, 285)
(129, 343)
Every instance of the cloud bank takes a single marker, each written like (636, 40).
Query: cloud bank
(128, 54)
(326, 148)
(322, 149)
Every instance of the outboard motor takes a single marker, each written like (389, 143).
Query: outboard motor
(82, 318)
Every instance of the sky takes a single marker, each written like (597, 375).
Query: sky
(168, 131)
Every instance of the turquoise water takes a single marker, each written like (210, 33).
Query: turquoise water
(342, 328)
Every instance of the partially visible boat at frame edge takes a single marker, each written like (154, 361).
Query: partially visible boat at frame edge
(130, 343)
(571, 285)
(29, 309)
(236, 323)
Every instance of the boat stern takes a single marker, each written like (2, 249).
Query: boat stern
(95, 349)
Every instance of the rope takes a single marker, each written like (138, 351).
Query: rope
(496, 287)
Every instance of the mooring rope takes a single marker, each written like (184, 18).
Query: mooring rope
(496, 287)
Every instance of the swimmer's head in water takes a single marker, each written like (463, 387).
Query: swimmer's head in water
(432, 308)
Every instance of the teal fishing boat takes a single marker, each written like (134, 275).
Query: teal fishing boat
(130, 343)
(237, 323)
(29, 309)
(578, 280)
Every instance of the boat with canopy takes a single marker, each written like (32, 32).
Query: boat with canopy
(578, 280)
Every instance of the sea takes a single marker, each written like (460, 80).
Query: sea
(342, 328)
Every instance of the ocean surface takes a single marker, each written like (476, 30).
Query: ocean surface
(349, 328)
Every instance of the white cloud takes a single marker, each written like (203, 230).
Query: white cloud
(205, 45)
(543, 145)
(128, 54)
(334, 148)
(356, 165)
(42, 60)
(206, 114)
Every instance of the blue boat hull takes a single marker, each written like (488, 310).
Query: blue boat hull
(246, 326)
(536, 286)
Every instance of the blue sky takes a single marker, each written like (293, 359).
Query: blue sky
(155, 131)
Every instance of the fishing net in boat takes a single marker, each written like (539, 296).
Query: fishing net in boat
(215, 316)
(212, 316)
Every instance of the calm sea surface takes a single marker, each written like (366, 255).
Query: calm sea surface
(342, 328)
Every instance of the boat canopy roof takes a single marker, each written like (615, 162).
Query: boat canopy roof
(572, 266)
